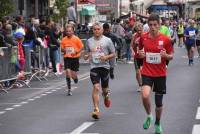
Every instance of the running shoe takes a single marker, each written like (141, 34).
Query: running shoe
(158, 129)
(139, 89)
(147, 122)
(107, 101)
(69, 93)
(96, 114)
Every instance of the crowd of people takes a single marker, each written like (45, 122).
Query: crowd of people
(146, 43)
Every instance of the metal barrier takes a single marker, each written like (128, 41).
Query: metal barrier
(8, 61)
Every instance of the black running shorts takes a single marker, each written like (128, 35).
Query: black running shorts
(138, 62)
(188, 46)
(100, 73)
(71, 63)
(158, 83)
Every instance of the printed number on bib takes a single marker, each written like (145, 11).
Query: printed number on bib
(69, 50)
(96, 57)
(153, 58)
(191, 33)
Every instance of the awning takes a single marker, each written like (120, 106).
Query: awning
(88, 10)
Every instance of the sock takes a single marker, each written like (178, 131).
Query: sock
(68, 82)
(157, 122)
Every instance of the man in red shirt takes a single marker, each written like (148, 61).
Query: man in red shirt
(155, 48)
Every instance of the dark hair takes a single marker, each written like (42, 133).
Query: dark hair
(106, 26)
(154, 17)
(72, 3)
(118, 20)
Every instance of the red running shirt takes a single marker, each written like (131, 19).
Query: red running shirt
(153, 64)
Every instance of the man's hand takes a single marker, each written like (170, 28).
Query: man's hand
(163, 53)
(141, 53)
(86, 56)
(103, 58)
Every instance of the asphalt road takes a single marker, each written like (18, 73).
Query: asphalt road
(45, 108)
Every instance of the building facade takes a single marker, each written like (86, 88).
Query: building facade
(31, 7)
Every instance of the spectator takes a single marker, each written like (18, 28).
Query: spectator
(71, 13)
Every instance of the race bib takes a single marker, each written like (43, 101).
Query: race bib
(96, 57)
(191, 33)
(69, 50)
(153, 58)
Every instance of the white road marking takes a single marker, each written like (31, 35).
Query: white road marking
(120, 113)
(17, 105)
(81, 128)
(2, 112)
(196, 129)
(8, 109)
(85, 78)
(198, 114)
(187, 57)
(54, 90)
(24, 102)
(43, 94)
(8, 103)
(31, 99)
(48, 92)
(37, 97)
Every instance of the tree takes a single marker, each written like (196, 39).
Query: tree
(60, 9)
(6, 7)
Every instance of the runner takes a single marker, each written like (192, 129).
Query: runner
(155, 48)
(137, 60)
(116, 42)
(198, 39)
(99, 49)
(71, 45)
(180, 33)
(190, 35)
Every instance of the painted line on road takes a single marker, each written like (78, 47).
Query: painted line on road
(120, 113)
(81, 128)
(24, 102)
(9, 109)
(198, 114)
(196, 129)
(2, 112)
(8, 103)
(16, 105)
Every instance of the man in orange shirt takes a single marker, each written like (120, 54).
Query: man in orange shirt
(71, 45)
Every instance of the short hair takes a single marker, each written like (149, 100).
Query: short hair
(72, 3)
(154, 17)
(106, 26)
(69, 26)
(118, 20)
(97, 24)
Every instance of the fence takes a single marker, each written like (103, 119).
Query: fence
(8, 62)
(9, 71)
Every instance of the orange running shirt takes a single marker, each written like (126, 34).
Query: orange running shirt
(71, 46)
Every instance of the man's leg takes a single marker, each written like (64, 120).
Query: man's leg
(198, 50)
(68, 80)
(74, 76)
(158, 110)
(95, 98)
(74, 69)
(147, 105)
(146, 98)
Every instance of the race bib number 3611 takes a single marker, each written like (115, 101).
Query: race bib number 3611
(153, 58)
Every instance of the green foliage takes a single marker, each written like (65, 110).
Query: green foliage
(7, 7)
(60, 9)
